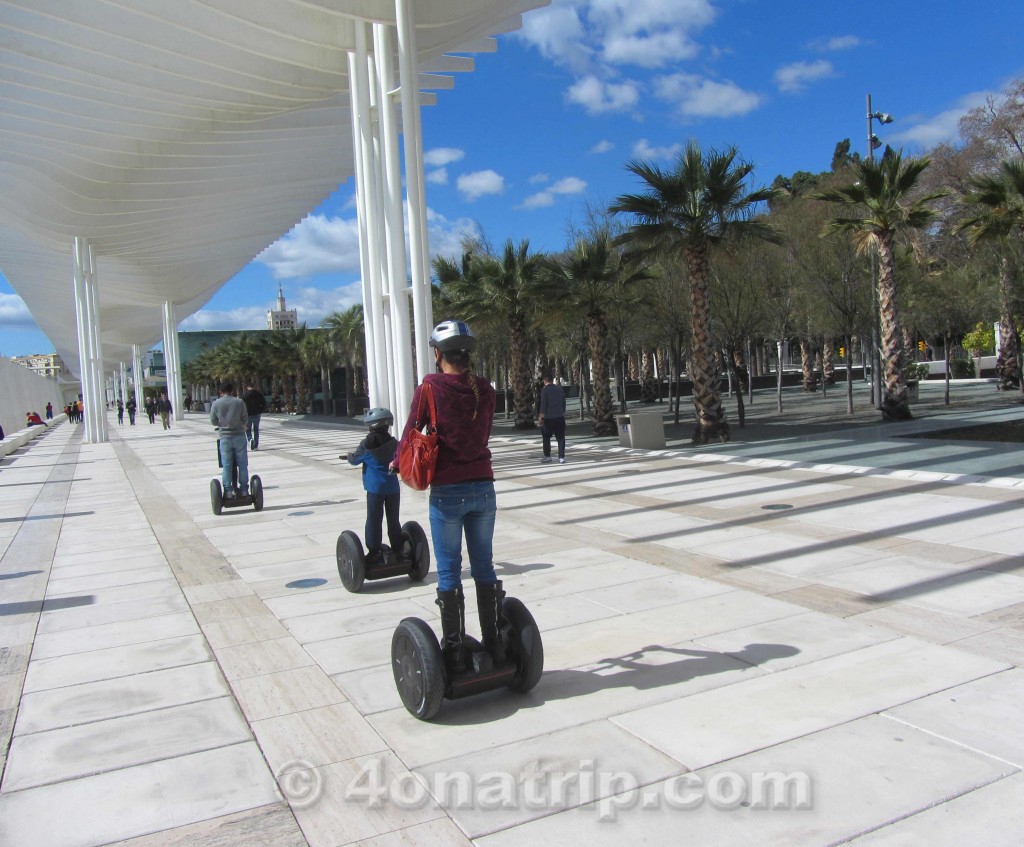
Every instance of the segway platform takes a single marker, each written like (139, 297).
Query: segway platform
(419, 671)
(353, 569)
(253, 498)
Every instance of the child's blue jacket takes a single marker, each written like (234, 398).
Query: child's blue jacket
(375, 462)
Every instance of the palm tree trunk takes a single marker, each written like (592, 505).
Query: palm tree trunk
(895, 402)
(350, 389)
(707, 400)
(604, 423)
(1008, 361)
(807, 364)
(522, 395)
(648, 388)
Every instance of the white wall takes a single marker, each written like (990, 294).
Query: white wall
(23, 391)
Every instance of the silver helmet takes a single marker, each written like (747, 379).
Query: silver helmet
(378, 418)
(453, 335)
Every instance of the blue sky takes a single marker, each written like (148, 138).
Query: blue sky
(545, 126)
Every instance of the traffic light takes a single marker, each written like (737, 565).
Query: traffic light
(921, 346)
(842, 352)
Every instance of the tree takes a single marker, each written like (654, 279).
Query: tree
(1001, 198)
(883, 209)
(592, 279)
(686, 211)
(346, 331)
(500, 291)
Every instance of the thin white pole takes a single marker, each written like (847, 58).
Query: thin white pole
(394, 220)
(412, 136)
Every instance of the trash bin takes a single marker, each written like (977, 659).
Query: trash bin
(645, 430)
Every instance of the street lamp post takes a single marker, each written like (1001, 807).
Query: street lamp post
(876, 359)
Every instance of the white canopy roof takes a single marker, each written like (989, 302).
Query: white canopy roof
(181, 137)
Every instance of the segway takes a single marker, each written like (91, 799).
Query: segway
(253, 497)
(420, 674)
(353, 569)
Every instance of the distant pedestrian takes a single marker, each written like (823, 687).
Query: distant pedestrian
(151, 409)
(49, 411)
(120, 412)
(131, 411)
(163, 406)
(551, 417)
(255, 405)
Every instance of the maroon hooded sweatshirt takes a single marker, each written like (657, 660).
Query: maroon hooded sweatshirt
(462, 454)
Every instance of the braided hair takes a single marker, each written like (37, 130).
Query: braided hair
(460, 359)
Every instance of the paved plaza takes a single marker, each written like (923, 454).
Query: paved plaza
(808, 636)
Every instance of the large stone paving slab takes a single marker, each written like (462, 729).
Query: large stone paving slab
(860, 776)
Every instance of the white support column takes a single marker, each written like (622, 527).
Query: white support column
(359, 96)
(138, 376)
(124, 383)
(91, 361)
(171, 365)
(77, 251)
(412, 136)
(378, 241)
(394, 220)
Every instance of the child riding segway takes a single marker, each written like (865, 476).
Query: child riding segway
(408, 553)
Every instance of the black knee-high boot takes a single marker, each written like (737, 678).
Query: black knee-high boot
(453, 627)
(488, 605)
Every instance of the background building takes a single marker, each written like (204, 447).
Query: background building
(282, 317)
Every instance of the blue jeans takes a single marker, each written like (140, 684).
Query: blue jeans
(469, 507)
(252, 431)
(233, 452)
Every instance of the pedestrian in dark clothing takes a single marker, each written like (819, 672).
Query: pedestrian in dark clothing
(551, 416)
(120, 412)
(131, 411)
(255, 405)
(163, 406)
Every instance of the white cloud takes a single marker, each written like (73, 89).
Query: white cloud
(602, 146)
(568, 185)
(479, 183)
(536, 179)
(445, 236)
(839, 42)
(648, 33)
(696, 96)
(558, 34)
(796, 76)
(438, 177)
(14, 314)
(441, 156)
(597, 97)
(927, 132)
(648, 51)
(643, 150)
(317, 244)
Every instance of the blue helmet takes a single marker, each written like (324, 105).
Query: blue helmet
(378, 418)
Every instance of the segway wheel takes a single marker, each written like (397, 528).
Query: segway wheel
(256, 492)
(420, 550)
(524, 645)
(216, 496)
(418, 667)
(351, 562)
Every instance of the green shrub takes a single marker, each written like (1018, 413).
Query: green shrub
(961, 369)
(982, 338)
(916, 370)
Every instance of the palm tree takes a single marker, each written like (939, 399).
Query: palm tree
(490, 291)
(1002, 216)
(320, 353)
(883, 210)
(592, 278)
(346, 331)
(290, 365)
(685, 212)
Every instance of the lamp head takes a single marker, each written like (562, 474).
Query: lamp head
(875, 143)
